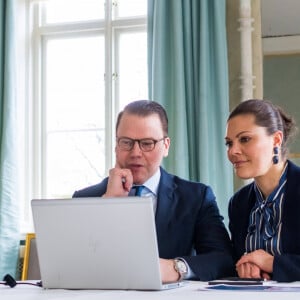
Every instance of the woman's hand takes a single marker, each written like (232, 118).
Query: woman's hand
(256, 264)
(248, 270)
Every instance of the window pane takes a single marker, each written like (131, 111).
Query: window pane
(61, 11)
(132, 77)
(75, 83)
(75, 160)
(73, 116)
(75, 113)
(130, 8)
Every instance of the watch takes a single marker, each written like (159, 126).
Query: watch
(181, 268)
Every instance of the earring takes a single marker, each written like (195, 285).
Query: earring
(275, 156)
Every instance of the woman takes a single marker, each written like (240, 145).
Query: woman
(264, 216)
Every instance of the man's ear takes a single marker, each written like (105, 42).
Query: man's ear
(167, 143)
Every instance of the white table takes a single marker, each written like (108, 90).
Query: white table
(189, 292)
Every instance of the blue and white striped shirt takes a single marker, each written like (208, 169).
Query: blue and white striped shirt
(264, 231)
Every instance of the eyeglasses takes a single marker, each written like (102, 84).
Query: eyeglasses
(145, 145)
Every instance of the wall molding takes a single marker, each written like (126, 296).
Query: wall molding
(282, 45)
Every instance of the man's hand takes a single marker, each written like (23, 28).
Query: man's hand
(167, 270)
(119, 182)
(250, 263)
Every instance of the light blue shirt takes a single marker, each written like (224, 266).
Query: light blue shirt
(150, 188)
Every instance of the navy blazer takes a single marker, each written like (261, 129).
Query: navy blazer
(286, 266)
(188, 225)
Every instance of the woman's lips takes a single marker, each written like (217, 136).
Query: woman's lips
(239, 163)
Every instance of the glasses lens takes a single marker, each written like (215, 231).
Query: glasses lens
(147, 145)
(125, 144)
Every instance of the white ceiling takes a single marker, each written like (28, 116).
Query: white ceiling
(280, 17)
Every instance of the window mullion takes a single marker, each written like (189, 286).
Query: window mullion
(50, 71)
(43, 114)
(109, 106)
(36, 104)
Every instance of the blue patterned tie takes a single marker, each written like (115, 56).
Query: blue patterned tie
(138, 190)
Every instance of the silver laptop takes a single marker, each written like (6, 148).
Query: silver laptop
(97, 243)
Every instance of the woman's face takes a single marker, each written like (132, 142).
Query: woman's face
(249, 147)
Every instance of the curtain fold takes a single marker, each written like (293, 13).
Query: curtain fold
(9, 204)
(188, 74)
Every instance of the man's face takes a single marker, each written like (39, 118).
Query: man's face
(142, 164)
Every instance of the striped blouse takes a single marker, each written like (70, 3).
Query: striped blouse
(264, 231)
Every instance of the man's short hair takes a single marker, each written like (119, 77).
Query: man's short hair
(145, 108)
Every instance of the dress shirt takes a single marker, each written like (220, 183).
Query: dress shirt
(150, 188)
(264, 230)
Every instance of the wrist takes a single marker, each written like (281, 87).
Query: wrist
(181, 268)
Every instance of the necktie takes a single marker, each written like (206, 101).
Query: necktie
(138, 190)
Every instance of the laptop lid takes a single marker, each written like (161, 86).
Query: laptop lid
(97, 243)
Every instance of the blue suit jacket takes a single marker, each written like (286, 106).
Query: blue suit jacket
(286, 267)
(188, 225)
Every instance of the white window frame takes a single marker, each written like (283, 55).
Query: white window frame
(34, 81)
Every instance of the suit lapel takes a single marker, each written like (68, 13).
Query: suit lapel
(291, 209)
(166, 204)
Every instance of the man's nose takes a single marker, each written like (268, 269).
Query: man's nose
(136, 147)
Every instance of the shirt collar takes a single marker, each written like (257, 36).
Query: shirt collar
(153, 182)
(279, 189)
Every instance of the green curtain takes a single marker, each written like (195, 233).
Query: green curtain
(9, 208)
(188, 74)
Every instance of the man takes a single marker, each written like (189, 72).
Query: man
(192, 240)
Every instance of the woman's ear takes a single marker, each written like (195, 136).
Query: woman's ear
(278, 138)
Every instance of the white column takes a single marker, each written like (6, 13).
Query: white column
(246, 50)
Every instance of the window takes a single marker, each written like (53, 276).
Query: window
(86, 60)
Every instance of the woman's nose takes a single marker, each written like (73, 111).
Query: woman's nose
(234, 149)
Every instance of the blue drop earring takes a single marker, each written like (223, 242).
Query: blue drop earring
(275, 156)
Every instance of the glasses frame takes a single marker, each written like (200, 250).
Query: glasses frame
(139, 141)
